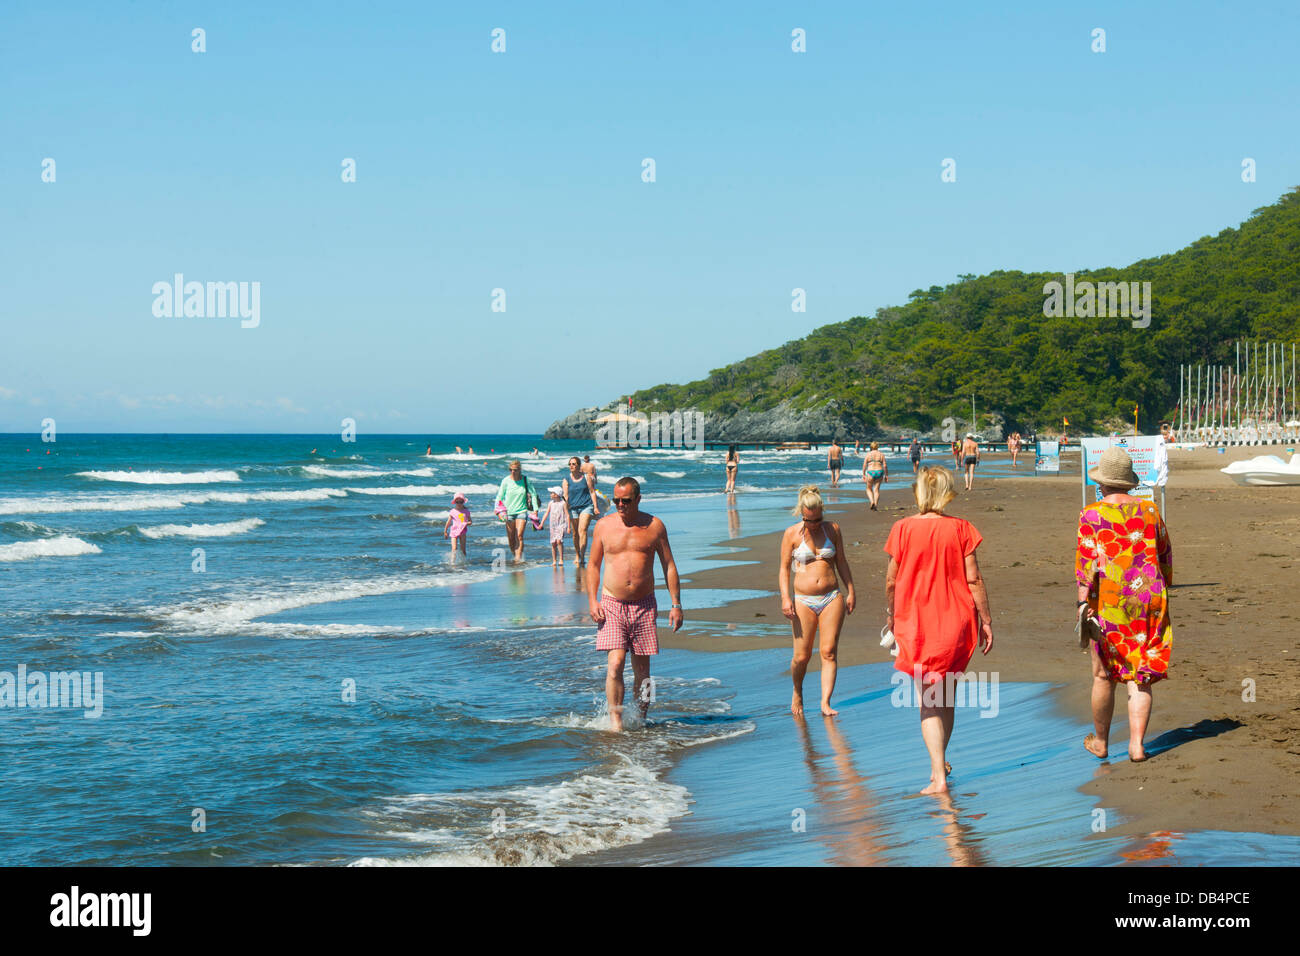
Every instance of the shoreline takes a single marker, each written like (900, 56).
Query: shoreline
(1217, 761)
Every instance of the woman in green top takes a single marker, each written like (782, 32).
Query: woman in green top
(520, 498)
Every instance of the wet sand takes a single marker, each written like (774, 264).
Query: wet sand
(1217, 762)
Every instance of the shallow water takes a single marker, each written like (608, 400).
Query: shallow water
(327, 688)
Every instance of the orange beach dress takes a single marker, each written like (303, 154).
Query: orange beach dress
(1125, 560)
(935, 623)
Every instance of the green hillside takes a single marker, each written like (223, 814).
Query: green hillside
(911, 365)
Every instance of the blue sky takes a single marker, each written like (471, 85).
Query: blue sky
(522, 170)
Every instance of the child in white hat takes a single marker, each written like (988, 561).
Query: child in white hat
(558, 515)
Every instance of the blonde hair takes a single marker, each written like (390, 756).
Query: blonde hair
(875, 446)
(934, 489)
(809, 498)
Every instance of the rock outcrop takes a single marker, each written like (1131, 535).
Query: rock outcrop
(781, 423)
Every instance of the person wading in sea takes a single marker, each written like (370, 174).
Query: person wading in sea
(625, 607)
(581, 502)
(835, 461)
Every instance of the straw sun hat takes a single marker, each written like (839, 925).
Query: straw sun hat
(1114, 469)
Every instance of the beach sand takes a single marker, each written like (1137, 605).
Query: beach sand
(1218, 762)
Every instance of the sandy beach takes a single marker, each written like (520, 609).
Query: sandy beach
(1218, 761)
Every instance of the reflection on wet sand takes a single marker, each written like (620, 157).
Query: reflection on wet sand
(958, 836)
(1155, 846)
(733, 517)
(854, 833)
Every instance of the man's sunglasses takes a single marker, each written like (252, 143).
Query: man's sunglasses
(624, 501)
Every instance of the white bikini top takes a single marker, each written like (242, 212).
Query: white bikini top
(801, 555)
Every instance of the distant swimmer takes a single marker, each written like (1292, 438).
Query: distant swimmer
(458, 451)
(312, 452)
(875, 471)
(625, 607)
(970, 451)
(536, 453)
(428, 450)
(733, 465)
(471, 450)
(835, 461)
(914, 454)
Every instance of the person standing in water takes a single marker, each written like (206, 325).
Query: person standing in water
(817, 608)
(970, 450)
(457, 526)
(519, 498)
(938, 609)
(733, 464)
(626, 609)
(835, 461)
(914, 454)
(589, 469)
(581, 502)
(875, 470)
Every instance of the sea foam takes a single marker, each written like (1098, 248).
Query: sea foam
(62, 546)
(161, 477)
(220, 530)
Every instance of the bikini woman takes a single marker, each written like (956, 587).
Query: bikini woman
(875, 470)
(733, 463)
(812, 551)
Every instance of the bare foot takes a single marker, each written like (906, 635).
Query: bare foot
(796, 704)
(828, 711)
(616, 724)
(1139, 757)
(937, 788)
(1095, 746)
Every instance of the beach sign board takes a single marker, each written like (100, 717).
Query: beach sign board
(1148, 454)
(1047, 458)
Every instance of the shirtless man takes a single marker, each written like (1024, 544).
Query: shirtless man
(835, 461)
(589, 469)
(626, 609)
(970, 455)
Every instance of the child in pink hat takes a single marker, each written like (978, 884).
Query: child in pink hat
(457, 526)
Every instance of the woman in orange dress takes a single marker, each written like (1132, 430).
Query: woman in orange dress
(938, 607)
(1124, 567)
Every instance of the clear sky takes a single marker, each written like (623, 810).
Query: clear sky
(522, 171)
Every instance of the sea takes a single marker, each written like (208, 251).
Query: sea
(279, 662)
